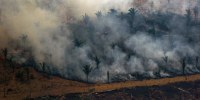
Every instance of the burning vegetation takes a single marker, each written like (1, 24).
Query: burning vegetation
(115, 44)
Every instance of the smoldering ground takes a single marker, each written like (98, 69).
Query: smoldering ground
(105, 34)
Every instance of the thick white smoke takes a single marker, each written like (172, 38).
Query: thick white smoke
(47, 23)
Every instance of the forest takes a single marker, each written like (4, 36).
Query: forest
(110, 46)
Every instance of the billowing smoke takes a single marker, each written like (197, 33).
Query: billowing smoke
(105, 34)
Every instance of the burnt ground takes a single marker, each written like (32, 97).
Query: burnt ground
(41, 86)
(178, 91)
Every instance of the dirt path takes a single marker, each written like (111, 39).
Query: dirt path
(127, 84)
(59, 87)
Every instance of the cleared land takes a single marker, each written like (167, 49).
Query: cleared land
(176, 91)
(42, 85)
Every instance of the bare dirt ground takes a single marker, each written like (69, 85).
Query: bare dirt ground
(175, 91)
(42, 85)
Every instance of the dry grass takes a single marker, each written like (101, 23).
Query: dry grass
(55, 86)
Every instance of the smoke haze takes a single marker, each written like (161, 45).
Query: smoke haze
(52, 27)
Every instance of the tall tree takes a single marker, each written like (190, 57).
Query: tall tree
(112, 12)
(165, 59)
(131, 16)
(1, 16)
(87, 69)
(183, 65)
(188, 17)
(108, 76)
(97, 61)
(11, 64)
(132, 12)
(27, 73)
(196, 13)
(86, 19)
(24, 39)
(99, 14)
(43, 65)
(5, 53)
(196, 62)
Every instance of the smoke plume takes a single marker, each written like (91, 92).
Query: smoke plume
(67, 34)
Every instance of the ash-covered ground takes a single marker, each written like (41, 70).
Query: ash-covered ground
(178, 91)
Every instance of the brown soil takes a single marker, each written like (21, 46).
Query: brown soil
(42, 85)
